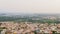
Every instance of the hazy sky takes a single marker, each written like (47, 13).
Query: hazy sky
(30, 6)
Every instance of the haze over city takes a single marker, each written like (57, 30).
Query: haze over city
(29, 16)
(30, 6)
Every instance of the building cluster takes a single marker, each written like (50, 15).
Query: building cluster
(29, 28)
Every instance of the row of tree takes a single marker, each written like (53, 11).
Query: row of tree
(4, 18)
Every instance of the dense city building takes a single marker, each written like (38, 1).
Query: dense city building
(28, 28)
